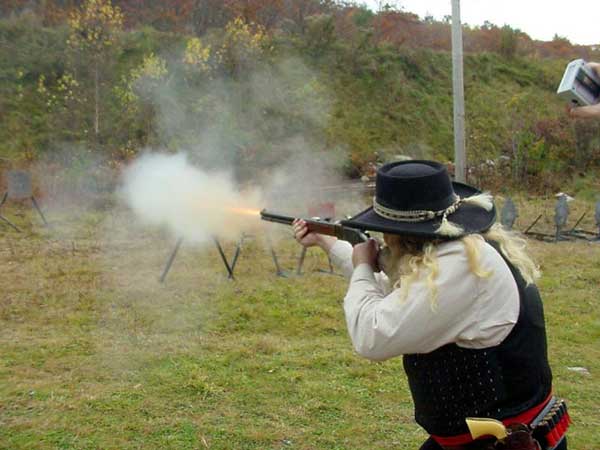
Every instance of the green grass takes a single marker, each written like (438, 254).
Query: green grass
(96, 353)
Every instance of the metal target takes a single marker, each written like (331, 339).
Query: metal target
(19, 185)
(509, 214)
(561, 212)
(598, 213)
(19, 188)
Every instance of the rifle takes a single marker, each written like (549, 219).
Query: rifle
(320, 226)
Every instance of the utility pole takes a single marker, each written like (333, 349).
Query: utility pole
(459, 95)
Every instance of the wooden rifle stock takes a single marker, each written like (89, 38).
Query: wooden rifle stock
(320, 226)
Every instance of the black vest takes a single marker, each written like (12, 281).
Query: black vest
(451, 383)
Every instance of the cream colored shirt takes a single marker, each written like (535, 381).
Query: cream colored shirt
(472, 312)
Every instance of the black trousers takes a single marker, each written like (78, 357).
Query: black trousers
(430, 444)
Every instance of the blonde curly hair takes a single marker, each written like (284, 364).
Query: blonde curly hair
(412, 257)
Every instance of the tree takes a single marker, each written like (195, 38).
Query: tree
(207, 14)
(397, 27)
(299, 10)
(243, 45)
(174, 15)
(262, 12)
(509, 40)
(388, 5)
(529, 141)
(93, 34)
(587, 145)
(137, 93)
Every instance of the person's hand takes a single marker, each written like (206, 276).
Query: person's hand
(591, 110)
(306, 239)
(583, 112)
(366, 253)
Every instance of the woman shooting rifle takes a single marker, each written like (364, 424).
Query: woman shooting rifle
(457, 301)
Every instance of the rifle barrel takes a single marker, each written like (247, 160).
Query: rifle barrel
(314, 225)
(277, 218)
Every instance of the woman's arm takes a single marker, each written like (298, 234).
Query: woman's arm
(340, 252)
(383, 326)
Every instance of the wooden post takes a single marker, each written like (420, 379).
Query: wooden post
(459, 95)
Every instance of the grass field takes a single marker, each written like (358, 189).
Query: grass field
(96, 353)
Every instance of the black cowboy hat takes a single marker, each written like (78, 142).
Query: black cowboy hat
(418, 198)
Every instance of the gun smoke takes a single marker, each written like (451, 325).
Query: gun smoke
(166, 190)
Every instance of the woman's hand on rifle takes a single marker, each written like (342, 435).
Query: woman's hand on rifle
(366, 253)
(310, 239)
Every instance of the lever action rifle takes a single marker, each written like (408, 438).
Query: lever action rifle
(320, 226)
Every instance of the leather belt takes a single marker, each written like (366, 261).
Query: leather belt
(547, 427)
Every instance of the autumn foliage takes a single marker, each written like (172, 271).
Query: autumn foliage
(390, 25)
(264, 77)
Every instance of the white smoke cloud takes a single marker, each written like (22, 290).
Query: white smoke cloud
(167, 191)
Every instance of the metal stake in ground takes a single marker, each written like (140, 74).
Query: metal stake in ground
(36, 206)
(331, 270)
(280, 273)
(532, 224)
(574, 229)
(4, 219)
(537, 235)
(170, 260)
(320, 211)
(597, 216)
(236, 255)
(301, 260)
(227, 266)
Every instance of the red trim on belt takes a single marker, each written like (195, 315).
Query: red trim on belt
(525, 417)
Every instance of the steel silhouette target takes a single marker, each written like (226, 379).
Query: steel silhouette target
(561, 214)
(19, 185)
(509, 214)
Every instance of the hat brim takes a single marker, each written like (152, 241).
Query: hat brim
(471, 218)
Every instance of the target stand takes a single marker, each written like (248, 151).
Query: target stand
(323, 211)
(560, 222)
(597, 217)
(230, 267)
(19, 188)
(593, 236)
(4, 219)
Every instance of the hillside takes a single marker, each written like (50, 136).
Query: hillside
(248, 96)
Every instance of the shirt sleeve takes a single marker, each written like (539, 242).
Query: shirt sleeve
(383, 326)
(498, 305)
(341, 257)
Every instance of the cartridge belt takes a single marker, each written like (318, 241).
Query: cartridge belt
(550, 426)
(462, 440)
